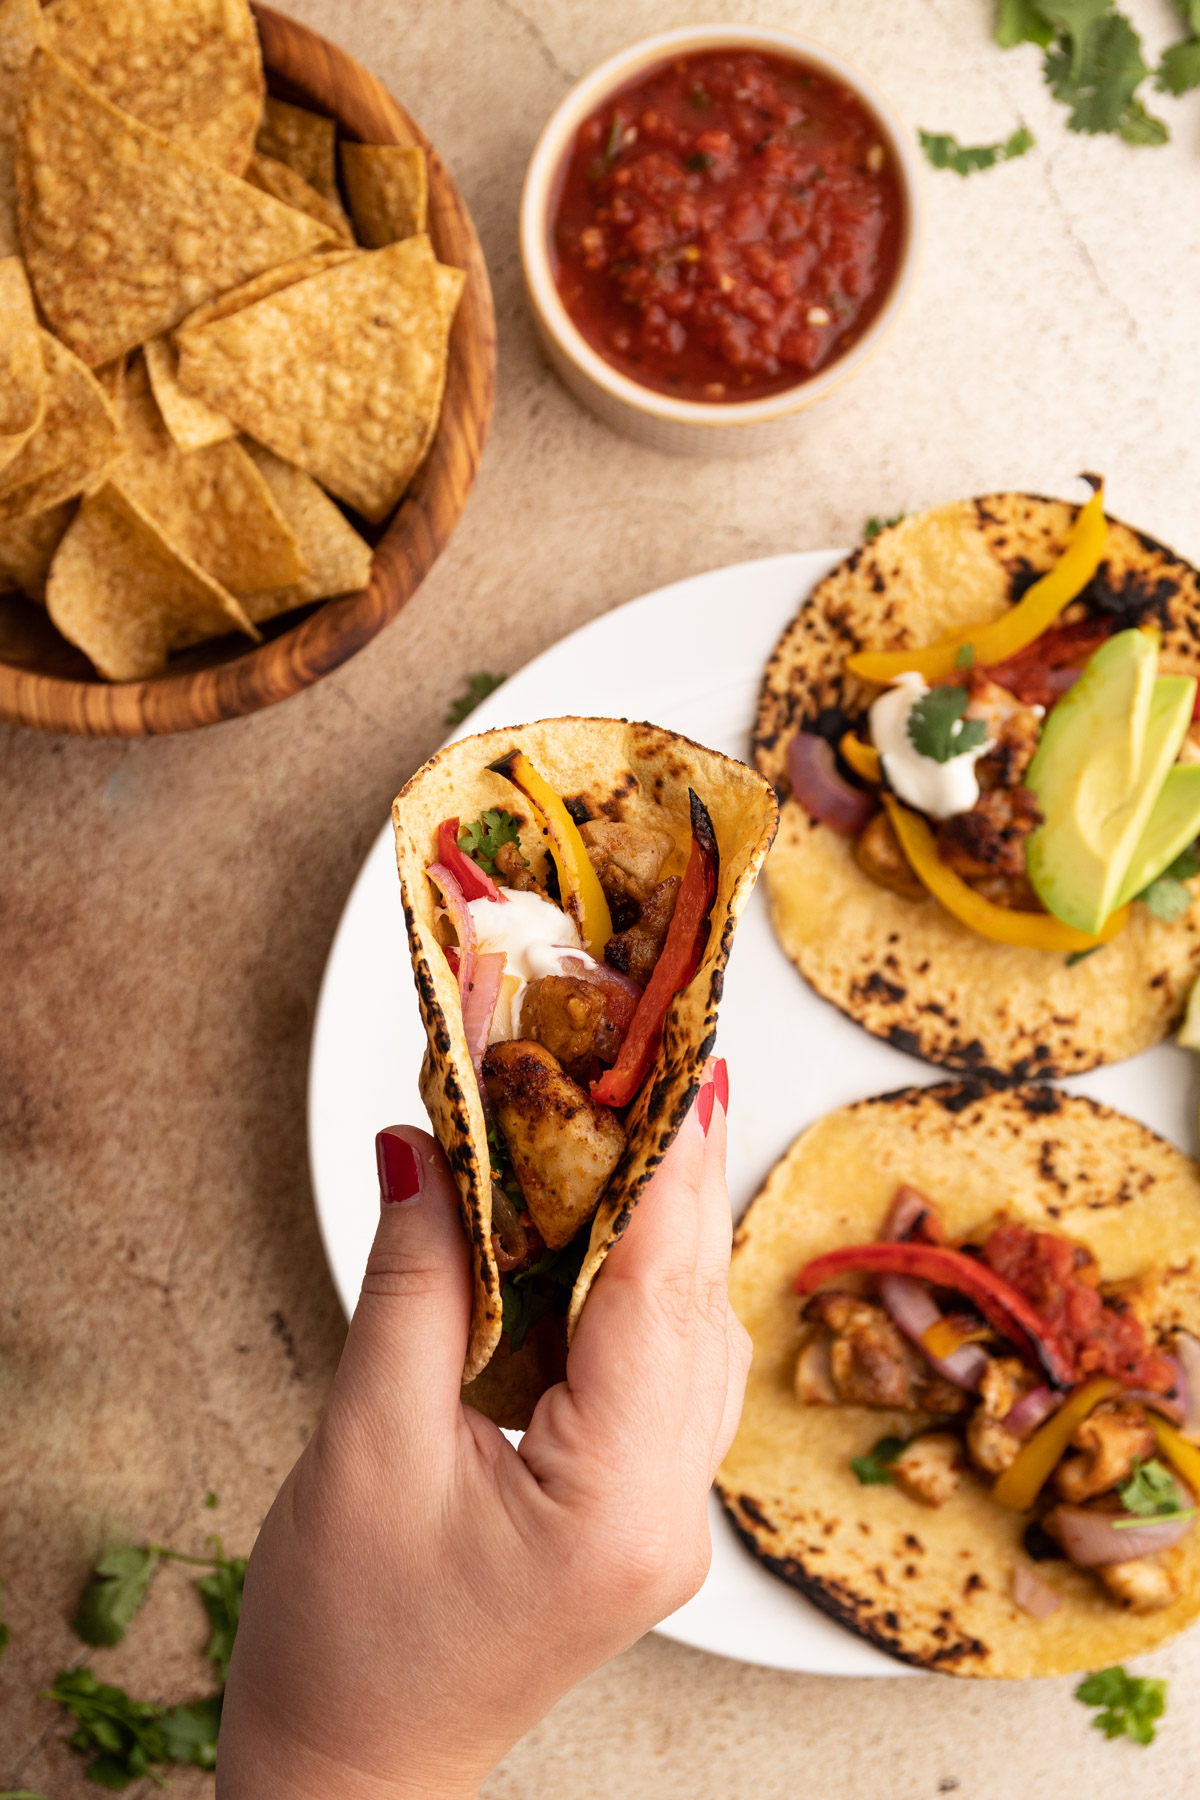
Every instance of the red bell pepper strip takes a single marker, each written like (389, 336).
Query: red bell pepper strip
(1002, 1305)
(1041, 673)
(466, 871)
(687, 940)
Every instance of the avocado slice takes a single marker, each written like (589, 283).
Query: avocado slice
(1103, 757)
(1172, 826)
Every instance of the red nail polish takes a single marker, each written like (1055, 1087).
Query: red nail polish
(704, 1106)
(720, 1076)
(399, 1172)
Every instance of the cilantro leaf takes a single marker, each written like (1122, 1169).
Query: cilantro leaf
(211, 1500)
(121, 1735)
(874, 526)
(1097, 68)
(874, 1469)
(116, 1589)
(482, 839)
(1179, 70)
(545, 1287)
(1076, 19)
(1167, 898)
(1021, 22)
(966, 657)
(937, 729)
(503, 1174)
(1137, 126)
(1078, 956)
(478, 688)
(221, 1593)
(1130, 1703)
(189, 1733)
(1151, 1490)
(1189, 10)
(945, 152)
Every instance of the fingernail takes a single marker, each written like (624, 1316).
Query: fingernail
(704, 1106)
(399, 1170)
(720, 1076)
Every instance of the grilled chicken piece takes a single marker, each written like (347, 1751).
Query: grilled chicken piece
(1109, 1443)
(929, 1469)
(629, 860)
(870, 1362)
(991, 1447)
(635, 952)
(563, 1147)
(1013, 728)
(990, 839)
(515, 871)
(568, 1017)
(878, 854)
(1143, 1585)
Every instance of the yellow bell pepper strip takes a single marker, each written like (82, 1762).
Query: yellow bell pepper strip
(579, 885)
(945, 1336)
(863, 758)
(1026, 1476)
(1183, 1457)
(1002, 924)
(1034, 613)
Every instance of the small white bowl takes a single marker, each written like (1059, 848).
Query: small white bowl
(692, 427)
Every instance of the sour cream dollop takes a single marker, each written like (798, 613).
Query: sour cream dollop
(535, 937)
(939, 789)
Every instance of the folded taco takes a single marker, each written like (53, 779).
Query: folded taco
(981, 729)
(972, 1427)
(571, 890)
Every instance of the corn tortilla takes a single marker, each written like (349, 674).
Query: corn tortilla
(123, 233)
(906, 969)
(126, 597)
(191, 423)
(20, 35)
(338, 560)
(387, 187)
(292, 189)
(10, 237)
(27, 548)
(22, 365)
(75, 442)
(933, 1585)
(190, 69)
(636, 772)
(303, 141)
(271, 281)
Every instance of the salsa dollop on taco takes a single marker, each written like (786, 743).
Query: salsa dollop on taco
(972, 1430)
(571, 890)
(982, 729)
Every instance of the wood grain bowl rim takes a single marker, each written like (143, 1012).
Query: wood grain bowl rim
(316, 71)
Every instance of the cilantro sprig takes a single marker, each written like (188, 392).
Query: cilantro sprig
(944, 151)
(936, 727)
(874, 1469)
(1167, 896)
(483, 838)
(1152, 1492)
(1093, 62)
(478, 687)
(114, 1591)
(875, 525)
(1129, 1704)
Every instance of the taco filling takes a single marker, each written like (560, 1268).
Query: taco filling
(565, 979)
(1023, 1374)
(1034, 775)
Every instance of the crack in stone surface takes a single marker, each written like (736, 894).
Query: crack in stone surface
(534, 33)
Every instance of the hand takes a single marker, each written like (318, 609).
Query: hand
(422, 1593)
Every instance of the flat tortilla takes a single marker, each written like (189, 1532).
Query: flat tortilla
(907, 970)
(933, 1585)
(191, 69)
(615, 770)
(124, 234)
(387, 186)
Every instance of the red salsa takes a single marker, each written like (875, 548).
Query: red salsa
(726, 226)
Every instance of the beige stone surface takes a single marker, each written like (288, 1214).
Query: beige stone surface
(166, 1322)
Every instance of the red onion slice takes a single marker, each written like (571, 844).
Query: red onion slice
(1028, 1412)
(455, 902)
(1170, 1408)
(1092, 1538)
(821, 790)
(479, 1007)
(1033, 1595)
(911, 1306)
(906, 1215)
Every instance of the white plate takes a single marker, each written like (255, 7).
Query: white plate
(689, 657)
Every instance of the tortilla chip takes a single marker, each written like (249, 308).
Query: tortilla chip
(906, 969)
(450, 283)
(304, 141)
(611, 769)
(22, 365)
(276, 178)
(191, 423)
(125, 235)
(126, 597)
(933, 1585)
(211, 504)
(73, 447)
(190, 69)
(340, 374)
(10, 237)
(20, 35)
(27, 548)
(271, 281)
(339, 561)
(387, 187)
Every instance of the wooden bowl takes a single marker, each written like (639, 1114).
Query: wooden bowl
(47, 683)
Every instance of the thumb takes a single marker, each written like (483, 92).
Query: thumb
(408, 1338)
